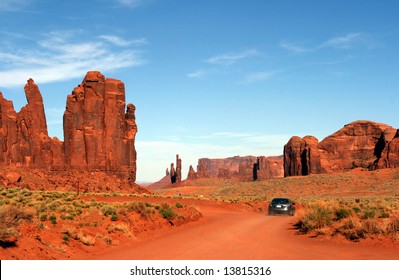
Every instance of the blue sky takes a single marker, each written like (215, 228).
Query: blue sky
(210, 78)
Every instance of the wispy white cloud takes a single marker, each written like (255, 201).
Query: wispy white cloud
(197, 74)
(258, 77)
(121, 42)
(61, 56)
(348, 41)
(232, 57)
(295, 47)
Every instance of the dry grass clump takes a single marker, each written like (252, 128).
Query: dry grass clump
(71, 231)
(10, 218)
(354, 220)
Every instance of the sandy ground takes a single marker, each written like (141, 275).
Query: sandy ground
(229, 233)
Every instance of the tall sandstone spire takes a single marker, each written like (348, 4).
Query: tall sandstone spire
(99, 130)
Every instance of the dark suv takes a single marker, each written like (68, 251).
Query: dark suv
(281, 205)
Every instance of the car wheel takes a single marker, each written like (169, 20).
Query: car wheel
(270, 213)
(291, 212)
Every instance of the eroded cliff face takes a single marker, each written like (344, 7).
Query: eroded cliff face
(243, 168)
(24, 138)
(363, 144)
(99, 130)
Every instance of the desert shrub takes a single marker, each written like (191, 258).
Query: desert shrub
(167, 212)
(10, 218)
(369, 213)
(178, 205)
(108, 210)
(371, 227)
(352, 229)
(86, 239)
(114, 217)
(393, 226)
(43, 217)
(66, 239)
(342, 213)
(139, 207)
(53, 219)
(70, 231)
(383, 215)
(316, 217)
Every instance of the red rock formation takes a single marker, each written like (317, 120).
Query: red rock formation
(352, 146)
(293, 154)
(172, 173)
(302, 156)
(241, 168)
(202, 171)
(178, 169)
(175, 176)
(269, 167)
(363, 144)
(99, 134)
(392, 155)
(192, 175)
(23, 136)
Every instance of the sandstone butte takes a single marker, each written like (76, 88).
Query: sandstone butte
(99, 130)
(364, 144)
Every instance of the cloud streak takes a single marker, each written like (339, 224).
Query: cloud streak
(344, 42)
(231, 57)
(61, 56)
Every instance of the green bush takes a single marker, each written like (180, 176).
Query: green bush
(167, 212)
(114, 217)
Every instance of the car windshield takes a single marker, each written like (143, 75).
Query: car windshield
(280, 201)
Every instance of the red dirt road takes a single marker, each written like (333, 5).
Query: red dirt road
(235, 234)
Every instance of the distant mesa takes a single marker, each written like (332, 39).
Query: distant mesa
(245, 168)
(99, 130)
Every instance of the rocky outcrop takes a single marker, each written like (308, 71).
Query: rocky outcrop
(99, 133)
(243, 168)
(175, 175)
(302, 156)
(99, 130)
(202, 171)
(268, 167)
(24, 138)
(363, 144)
(192, 175)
